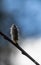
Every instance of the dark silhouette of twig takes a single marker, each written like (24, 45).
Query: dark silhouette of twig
(16, 45)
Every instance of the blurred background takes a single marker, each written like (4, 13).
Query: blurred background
(26, 14)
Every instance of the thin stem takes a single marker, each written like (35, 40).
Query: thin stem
(16, 45)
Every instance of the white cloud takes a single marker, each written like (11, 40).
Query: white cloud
(31, 46)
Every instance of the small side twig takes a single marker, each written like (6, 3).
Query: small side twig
(16, 45)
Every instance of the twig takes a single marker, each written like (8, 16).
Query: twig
(16, 45)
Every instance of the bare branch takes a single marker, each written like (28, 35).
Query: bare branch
(16, 45)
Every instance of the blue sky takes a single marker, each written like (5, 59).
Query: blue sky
(27, 14)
